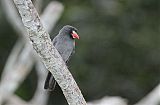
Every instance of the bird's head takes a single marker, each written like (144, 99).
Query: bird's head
(69, 30)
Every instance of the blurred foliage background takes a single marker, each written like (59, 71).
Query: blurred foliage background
(118, 53)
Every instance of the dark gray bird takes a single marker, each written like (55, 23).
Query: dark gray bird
(64, 42)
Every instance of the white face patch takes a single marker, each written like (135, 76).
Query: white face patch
(75, 35)
(74, 32)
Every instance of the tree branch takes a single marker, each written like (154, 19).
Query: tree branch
(51, 58)
(40, 97)
(38, 5)
(22, 59)
(153, 98)
(109, 100)
(51, 14)
(15, 75)
(11, 61)
(13, 17)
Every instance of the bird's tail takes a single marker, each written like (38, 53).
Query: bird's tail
(50, 82)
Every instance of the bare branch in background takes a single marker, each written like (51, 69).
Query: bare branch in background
(15, 76)
(51, 15)
(13, 16)
(38, 5)
(15, 100)
(153, 98)
(39, 98)
(11, 61)
(51, 58)
(108, 100)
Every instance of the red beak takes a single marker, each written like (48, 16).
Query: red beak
(75, 35)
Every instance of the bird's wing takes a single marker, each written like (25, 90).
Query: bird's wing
(65, 50)
(70, 55)
(54, 41)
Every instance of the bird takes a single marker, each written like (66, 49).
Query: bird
(64, 42)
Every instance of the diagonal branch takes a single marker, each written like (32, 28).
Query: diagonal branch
(40, 97)
(16, 75)
(51, 14)
(13, 17)
(51, 58)
(19, 63)
(38, 5)
(153, 98)
(11, 61)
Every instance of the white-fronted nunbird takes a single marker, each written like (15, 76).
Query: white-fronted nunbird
(64, 42)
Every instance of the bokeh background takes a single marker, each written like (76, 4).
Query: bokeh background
(118, 53)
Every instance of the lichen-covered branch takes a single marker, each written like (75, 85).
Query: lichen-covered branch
(21, 59)
(51, 58)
